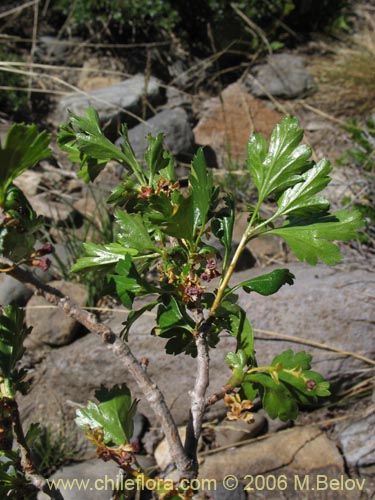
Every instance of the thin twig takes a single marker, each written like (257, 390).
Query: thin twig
(27, 464)
(149, 388)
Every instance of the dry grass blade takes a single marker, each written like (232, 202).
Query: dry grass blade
(319, 345)
(17, 10)
(297, 340)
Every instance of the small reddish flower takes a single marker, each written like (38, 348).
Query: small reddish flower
(43, 264)
(310, 385)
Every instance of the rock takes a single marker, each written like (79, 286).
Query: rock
(173, 123)
(141, 426)
(284, 75)
(71, 374)
(327, 305)
(91, 470)
(162, 454)
(112, 103)
(222, 493)
(227, 123)
(12, 291)
(15, 292)
(29, 182)
(52, 326)
(227, 433)
(302, 452)
(60, 212)
(357, 439)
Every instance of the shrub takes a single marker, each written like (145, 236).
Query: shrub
(164, 227)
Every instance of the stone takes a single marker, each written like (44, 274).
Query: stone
(331, 306)
(227, 123)
(12, 291)
(91, 470)
(60, 212)
(52, 326)
(326, 305)
(173, 123)
(357, 439)
(301, 451)
(113, 103)
(223, 493)
(162, 454)
(29, 182)
(284, 75)
(69, 376)
(230, 432)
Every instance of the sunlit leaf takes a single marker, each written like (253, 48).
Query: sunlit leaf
(114, 414)
(282, 165)
(102, 255)
(310, 238)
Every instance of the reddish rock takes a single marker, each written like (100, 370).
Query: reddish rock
(227, 123)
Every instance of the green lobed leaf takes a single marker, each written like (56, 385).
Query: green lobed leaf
(156, 156)
(201, 183)
(174, 323)
(233, 318)
(180, 224)
(133, 316)
(285, 161)
(289, 359)
(23, 148)
(300, 200)
(128, 153)
(114, 414)
(293, 369)
(267, 284)
(277, 400)
(222, 227)
(132, 233)
(309, 238)
(129, 283)
(102, 255)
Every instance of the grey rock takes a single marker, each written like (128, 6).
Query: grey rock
(284, 75)
(12, 291)
(222, 493)
(91, 470)
(15, 292)
(327, 305)
(173, 123)
(357, 439)
(71, 374)
(52, 326)
(141, 425)
(110, 102)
